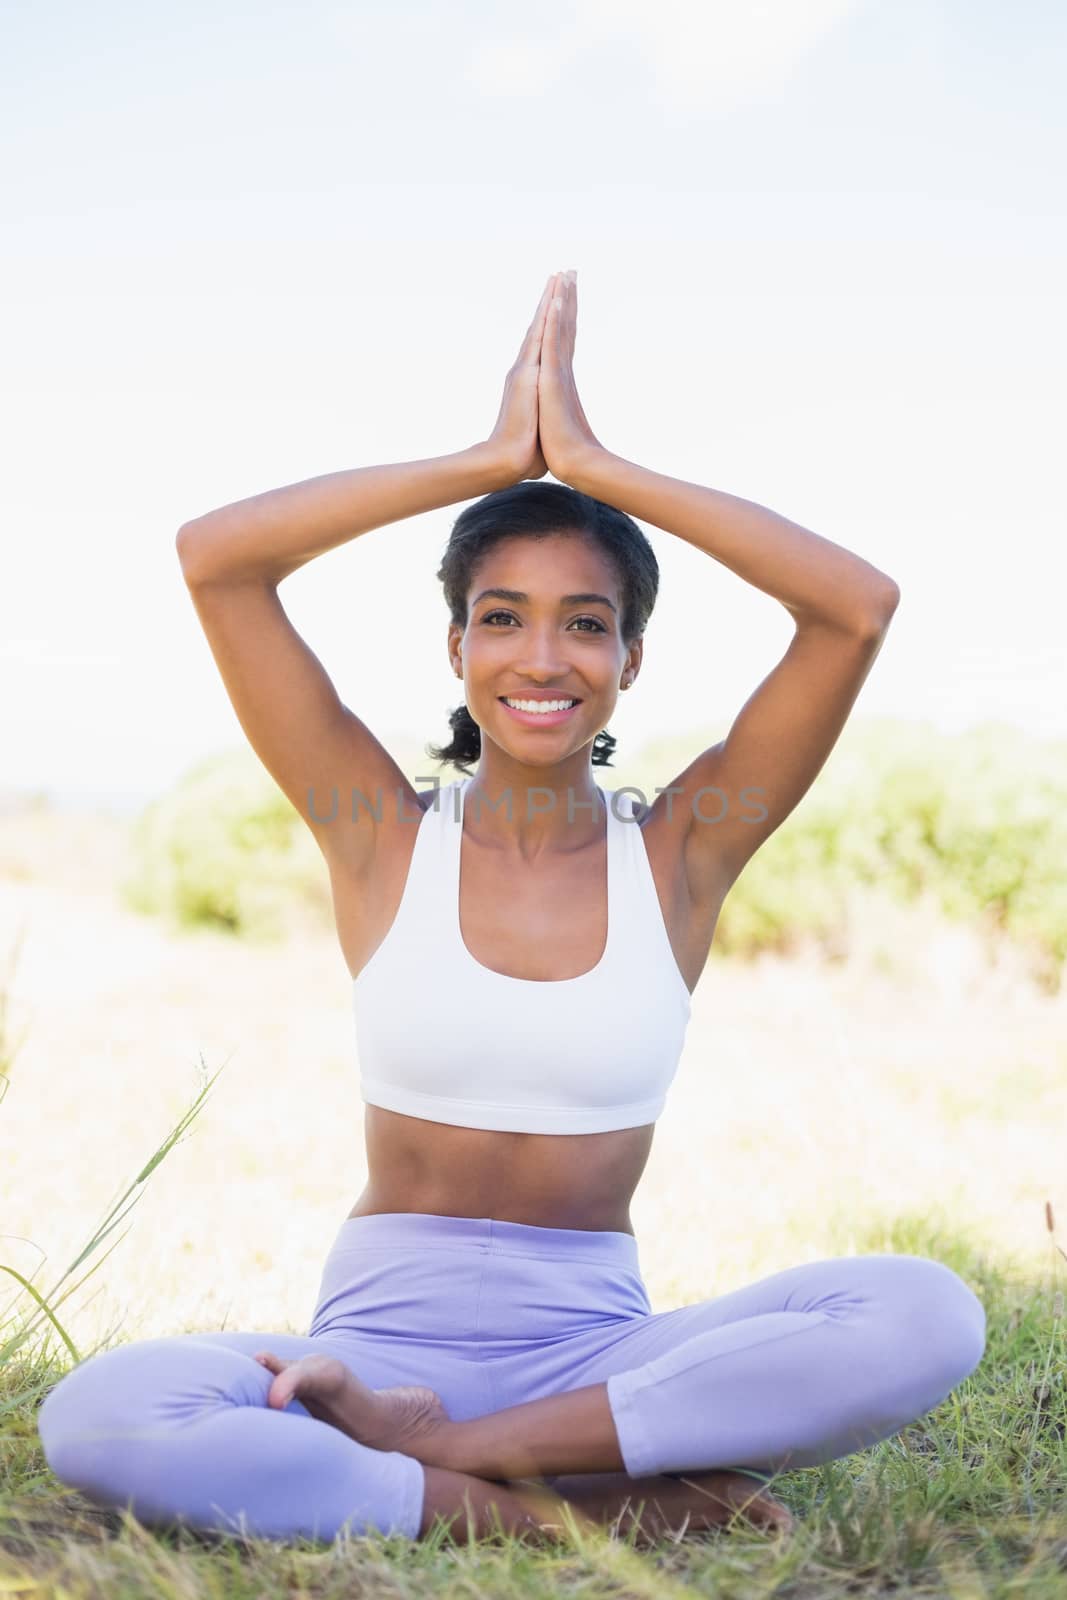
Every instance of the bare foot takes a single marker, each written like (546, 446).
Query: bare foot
(406, 1417)
(675, 1505)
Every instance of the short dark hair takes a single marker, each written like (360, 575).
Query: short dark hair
(532, 510)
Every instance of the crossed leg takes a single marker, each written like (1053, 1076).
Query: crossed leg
(805, 1366)
(180, 1429)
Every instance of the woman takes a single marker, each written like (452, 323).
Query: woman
(483, 1349)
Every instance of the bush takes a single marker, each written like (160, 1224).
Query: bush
(977, 821)
(226, 849)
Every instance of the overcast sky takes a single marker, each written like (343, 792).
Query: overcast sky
(821, 257)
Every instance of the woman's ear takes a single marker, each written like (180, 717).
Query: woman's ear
(633, 665)
(452, 645)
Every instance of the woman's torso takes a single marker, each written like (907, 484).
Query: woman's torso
(550, 926)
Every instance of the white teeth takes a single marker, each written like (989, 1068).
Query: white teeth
(540, 705)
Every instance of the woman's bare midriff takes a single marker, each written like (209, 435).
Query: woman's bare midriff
(582, 1180)
(543, 1180)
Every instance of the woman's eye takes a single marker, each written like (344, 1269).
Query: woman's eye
(598, 626)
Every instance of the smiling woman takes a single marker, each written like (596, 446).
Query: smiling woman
(608, 626)
(521, 985)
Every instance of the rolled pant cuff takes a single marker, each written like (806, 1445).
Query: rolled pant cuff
(409, 1519)
(638, 1454)
(634, 1445)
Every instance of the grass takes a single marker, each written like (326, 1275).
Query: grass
(924, 1151)
(969, 1501)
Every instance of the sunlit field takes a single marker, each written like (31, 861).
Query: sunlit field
(909, 1095)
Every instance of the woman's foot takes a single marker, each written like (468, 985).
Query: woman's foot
(405, 1418)
(674, 1505)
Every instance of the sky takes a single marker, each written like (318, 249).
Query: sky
(821, 251)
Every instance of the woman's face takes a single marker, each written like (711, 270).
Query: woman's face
(541, 637)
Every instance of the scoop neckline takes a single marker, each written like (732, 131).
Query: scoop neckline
(507, 977)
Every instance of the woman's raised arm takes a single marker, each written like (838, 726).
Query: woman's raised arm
(234, 559)
(270, 535)
(316, 749)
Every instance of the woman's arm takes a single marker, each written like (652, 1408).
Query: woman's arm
(267, 537)
(316, 749)
(842, 607)
(270, 535)
(783, 734)
(815, 579)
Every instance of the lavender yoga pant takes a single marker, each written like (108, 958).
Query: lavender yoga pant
(804, 1366)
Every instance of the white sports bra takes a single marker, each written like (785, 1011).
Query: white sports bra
(446, 1039)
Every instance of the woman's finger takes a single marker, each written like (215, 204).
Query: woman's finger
(553, 291)
(541, 318)
(556, 329)
(552, 320)
(532, 342)
(568, 313)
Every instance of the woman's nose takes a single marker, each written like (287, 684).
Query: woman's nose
(542, 658)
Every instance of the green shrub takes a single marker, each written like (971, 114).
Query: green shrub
(225, 849)
(977, 821)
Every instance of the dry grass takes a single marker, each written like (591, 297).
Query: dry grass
(913, 1080)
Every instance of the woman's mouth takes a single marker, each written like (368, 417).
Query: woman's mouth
(560, 710)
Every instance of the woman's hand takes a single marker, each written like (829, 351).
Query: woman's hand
(514, 440)
(564, 431)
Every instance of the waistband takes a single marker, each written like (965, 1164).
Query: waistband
(417, 1230)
